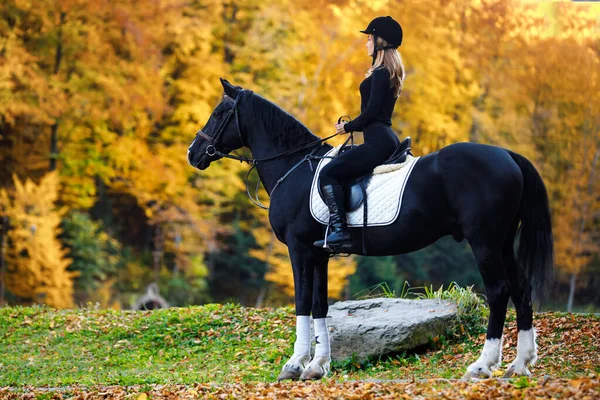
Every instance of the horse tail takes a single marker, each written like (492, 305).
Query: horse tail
(536, 245)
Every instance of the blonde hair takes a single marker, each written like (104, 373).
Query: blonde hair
(392, 60)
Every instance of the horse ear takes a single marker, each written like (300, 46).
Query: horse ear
(229, 89)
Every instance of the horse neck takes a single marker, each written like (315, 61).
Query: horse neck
(265, 144)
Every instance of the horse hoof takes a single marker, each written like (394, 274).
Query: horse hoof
(516, 371)
(310, 375)
(509, 373)
(317, 369)
(477, 373)
(288, 375)
(294, 367)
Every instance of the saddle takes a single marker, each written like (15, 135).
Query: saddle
(355, 190)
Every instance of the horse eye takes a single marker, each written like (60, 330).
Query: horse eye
(218, 113)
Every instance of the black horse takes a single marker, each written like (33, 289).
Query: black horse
(483, 193)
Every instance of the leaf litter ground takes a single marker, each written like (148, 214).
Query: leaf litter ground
(228, 351)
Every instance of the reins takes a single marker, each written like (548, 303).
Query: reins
(212, 150)
(255, 161)
(310, 156)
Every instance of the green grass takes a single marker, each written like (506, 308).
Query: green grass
(41, 346)
(220, 344)
(467, 300)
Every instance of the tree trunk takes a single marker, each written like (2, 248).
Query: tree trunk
(261, 295)
(53, 146)
(157, 252)
(581, 229)
(347, 290)
(229, 17)
(57, 61)
(571, 292)
(2, 251)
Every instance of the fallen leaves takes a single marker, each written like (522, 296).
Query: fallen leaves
(581, 388)
(229, 344)
(568, 346)
(571, 341)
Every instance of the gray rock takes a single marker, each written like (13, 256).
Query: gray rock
(380, 326)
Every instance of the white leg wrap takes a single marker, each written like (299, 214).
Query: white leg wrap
(490, 358)
(301, 357)
(302, 344)
(320, 365)
(321, 338)
(526, 354)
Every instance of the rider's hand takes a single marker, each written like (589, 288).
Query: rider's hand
(339, 128)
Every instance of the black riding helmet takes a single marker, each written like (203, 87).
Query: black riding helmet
(387, 28)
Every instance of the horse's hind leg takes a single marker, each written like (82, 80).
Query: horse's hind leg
(520, 289)
(489, 261)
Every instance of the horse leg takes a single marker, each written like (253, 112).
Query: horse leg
(303, 261)
(491, 268)
(520, 289)
(320, 364)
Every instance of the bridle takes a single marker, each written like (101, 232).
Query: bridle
(215, 139)
(212, 150)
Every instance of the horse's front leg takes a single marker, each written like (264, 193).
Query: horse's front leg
(304, 258)
(320, 364)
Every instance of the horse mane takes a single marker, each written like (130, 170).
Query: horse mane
(291, 132)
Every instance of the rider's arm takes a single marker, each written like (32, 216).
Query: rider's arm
(379, 85)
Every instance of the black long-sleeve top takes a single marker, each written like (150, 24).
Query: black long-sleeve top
(377, 101)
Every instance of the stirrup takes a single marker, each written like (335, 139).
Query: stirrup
(325, 239)
(338, 248)
(325, 244)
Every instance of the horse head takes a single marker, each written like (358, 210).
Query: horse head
(222, 132)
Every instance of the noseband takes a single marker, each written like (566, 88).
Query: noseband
(211, 149)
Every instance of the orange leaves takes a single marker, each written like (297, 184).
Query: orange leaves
(431, 388)
(135, 80)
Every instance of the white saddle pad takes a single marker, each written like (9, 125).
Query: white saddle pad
(384, 193)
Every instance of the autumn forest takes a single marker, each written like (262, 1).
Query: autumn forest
(99, 101)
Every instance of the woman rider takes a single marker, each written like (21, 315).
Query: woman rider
(379, 91)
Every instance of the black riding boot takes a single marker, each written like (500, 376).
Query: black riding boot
(339, 234)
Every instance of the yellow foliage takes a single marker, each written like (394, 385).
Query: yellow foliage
(104, 296)
(36, 262)
(340, 268)
(135, 83)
